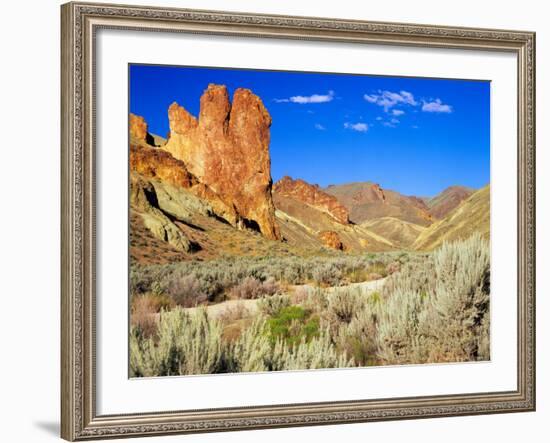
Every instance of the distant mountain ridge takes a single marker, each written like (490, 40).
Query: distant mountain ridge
(444, 202)
(470, 216)
(367, 201)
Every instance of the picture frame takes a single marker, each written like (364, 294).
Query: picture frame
(79, 243)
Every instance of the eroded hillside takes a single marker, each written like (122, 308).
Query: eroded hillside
(471, 216)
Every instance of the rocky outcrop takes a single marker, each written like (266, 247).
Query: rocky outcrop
(161, 165)
(332, 240)
(312, 195)
(156, 163)
(227, 150)
(139, 130)
(144, 200)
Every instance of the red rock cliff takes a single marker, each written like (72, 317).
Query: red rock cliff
(312, 195)
(227, 149)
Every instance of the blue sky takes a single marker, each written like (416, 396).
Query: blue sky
(412, 135)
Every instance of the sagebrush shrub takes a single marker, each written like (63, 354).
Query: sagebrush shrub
(186, 344)
(192, 344)
(233, 312)
(316, 353)
(186, 291)
(300, 294)
(342, 305)
(433, 307)
(327, 275)
(271, 306)
(358, 338)
(142, 315)
(252, 351)
(438, 309)
(393, 267)
(251, 288)
(218, 276)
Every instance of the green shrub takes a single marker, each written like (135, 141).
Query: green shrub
(254, 351)
(271, 306)
(292, 324)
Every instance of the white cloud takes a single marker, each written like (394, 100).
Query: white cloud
(389, 99)
(359, 127)
(409, 98)
(304, 99)
(320, 127)
(436, 106)
(379, 119)
(391, 123)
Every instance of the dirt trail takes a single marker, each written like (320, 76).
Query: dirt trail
(367, 287)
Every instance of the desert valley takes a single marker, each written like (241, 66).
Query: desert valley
(230, 272)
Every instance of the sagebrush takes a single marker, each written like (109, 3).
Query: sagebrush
(313, 313)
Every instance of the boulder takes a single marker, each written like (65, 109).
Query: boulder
(332, 240)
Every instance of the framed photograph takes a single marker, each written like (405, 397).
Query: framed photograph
(284, 221)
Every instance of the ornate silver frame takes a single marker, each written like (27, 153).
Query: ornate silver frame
(80, 21)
